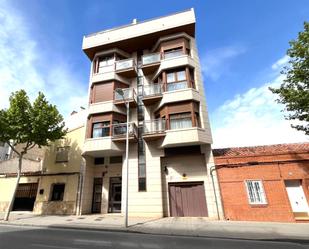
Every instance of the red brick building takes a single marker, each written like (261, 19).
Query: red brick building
(264, 183)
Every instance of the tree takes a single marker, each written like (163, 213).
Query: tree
(294, 91)
(31, 125)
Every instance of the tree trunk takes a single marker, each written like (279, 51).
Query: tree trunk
(10, 207)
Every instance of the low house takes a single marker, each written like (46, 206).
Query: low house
(264, 183)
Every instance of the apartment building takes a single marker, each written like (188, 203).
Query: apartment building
(156, 65)
(4, 151)
(265, 183)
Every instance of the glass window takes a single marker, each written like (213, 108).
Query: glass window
(115, 159)
(100, 129)
(62, 154)
(255, 190)
(142, 184)
(57, 192)
(99, 160)
(171, 77)
(181, 75)
(180, 121)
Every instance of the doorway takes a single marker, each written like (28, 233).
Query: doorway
(25, 197)
(97, 195)
(297, 198)
(114, 203)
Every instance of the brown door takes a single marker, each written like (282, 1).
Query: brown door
(114, 204)
(97, 195)
(25, 197)
(187, 199)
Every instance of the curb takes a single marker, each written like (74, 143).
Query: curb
(301, 240)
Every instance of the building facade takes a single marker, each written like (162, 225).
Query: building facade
(51, 179)
(264, 183)
(155, 63)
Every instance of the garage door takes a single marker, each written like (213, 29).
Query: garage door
(25, 197)
(187, 199)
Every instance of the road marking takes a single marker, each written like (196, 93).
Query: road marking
(50, 246)
(95, 242)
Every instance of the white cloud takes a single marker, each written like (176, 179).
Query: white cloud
(253, 118)
(22, 66)
(280, 63)
(216, 61)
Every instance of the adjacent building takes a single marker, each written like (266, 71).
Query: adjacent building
(265, 183)
(156, 65)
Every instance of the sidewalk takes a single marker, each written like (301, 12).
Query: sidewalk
(168, 226)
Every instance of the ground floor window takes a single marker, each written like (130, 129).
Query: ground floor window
(255, 190)
(57, 192)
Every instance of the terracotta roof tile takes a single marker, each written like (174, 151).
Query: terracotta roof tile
(262, 150)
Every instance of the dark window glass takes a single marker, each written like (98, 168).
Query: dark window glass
(115, 159)
(100, 129)
(99, 160)
(142, 184)
(58, 192)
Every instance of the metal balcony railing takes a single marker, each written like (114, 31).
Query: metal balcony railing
(174, 53)
(129, 94)
(124, 64)
(152, 90)
(176, 85)
(154, 126)
(151, 58)
(120, 130)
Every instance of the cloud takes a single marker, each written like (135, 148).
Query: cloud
(23, 65)
(217, 61)
(253, 118)
(280, 63)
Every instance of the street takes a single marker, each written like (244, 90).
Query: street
(15, 237)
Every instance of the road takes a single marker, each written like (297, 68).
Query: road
(14, 237)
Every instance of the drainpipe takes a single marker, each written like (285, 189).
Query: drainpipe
(212, 169)
(80, 187)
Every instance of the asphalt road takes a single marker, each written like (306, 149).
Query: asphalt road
(14, 237)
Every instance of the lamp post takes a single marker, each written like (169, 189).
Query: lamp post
(121, 93)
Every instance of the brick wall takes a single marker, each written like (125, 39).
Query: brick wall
(273, 169)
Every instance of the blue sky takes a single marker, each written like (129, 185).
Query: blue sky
(242, 45)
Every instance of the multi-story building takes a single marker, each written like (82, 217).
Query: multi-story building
(156, 65)
(4, 151)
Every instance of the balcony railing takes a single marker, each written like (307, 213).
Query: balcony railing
(128, 94)
(172, 54)
(124, 64)
(152, 90)
(176, 85)
(154, 126)
(120, 130)
(151, 58)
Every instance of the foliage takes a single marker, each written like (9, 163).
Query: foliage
(294, 91)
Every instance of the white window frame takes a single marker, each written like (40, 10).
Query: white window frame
(258, 197)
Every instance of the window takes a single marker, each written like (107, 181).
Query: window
(115, 159)
(62, 154)
(99, 160)
(180, 121)
(255, 190)
(170, 53)
(106, 64)
(57, 192)
(176, 80)
(100, 129)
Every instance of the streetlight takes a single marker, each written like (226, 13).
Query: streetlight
(121, 93)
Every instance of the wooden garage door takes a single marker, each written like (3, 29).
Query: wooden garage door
(187, 199)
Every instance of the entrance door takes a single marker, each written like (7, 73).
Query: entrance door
(25, 197)
(97, 195)
(297, 197)
(187, 199)
(114, 205)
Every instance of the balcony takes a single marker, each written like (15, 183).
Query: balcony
(126, 68)
(154, 129)
(129, 95)
(152, 93)
(150, 63)
(119, 132)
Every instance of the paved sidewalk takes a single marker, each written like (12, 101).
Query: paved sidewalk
(168, 226)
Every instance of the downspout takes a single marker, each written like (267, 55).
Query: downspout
(213, 168)
(80, 187)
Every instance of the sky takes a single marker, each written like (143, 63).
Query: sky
(242, 46)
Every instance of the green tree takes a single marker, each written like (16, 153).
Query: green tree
(294, 91)
(31, 125)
